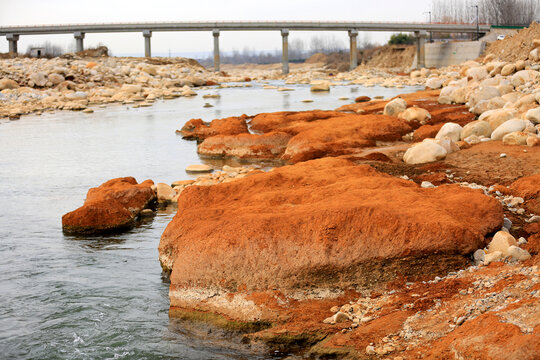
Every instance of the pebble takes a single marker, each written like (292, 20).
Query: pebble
(503, 155)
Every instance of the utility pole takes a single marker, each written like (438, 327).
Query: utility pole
(430, 33)
(477, 26)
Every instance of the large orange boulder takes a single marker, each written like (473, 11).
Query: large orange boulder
(346, 134)
(196, 129)
(266, 146)
(113, 206)
(313, 134)
(266, 122)
(313, 227)
(528, 187)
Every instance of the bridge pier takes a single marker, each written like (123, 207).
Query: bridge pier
(79, 36)
(285, 51)
(353, 52)
(420, 49)
(147, 47)
(12, 39)
(215, 32)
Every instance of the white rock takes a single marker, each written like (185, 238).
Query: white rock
(478, 128)
(424, 152)
(165, 192)
(477, 73)
(496, 117)
(394, 107)
(501, 242)
(491, 257)
(131, 88)
(479, 255)
(518, 253)
(427, 185)
(515, 138)
(415, 114)
(451, 131)
(508, 127)
(533, 115)
(448, 144)
(472, 140)
(38, 78)
(434, 83)
(522, 77)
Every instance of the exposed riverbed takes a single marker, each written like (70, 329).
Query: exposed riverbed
(80, 298)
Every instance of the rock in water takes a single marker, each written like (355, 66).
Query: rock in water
(197, 129)
(199, 168)
(111, 207)
(318, 224)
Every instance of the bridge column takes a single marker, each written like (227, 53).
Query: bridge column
(79, 36)
(215, 32)
(285, 51)
(353, 52)
(147, 49)
(420, 49)
(12, 39)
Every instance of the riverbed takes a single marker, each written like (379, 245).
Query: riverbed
(67, 297)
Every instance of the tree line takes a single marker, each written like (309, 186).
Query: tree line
(494, 12)
(299, 51)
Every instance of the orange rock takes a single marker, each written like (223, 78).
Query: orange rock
(196, 129)
(487, 337)
(362, 99)
(266, 146)
(266, 122)
(90, 65)
(113, 206)
(426, 131)
(527, 187)
(342, 135)
(319, 224)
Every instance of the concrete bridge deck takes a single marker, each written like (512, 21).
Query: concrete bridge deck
(12, 33)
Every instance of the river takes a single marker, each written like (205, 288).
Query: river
(65, 297)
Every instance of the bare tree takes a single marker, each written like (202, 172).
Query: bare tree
(495, 12)
(47, 49)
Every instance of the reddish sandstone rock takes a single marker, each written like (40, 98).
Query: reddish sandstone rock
(489, 337)
(341, 135)
(267, 122)
(321, 224)
(113, 206)
(426, 131)
(196, 129)
(267, 146)
(527, 187)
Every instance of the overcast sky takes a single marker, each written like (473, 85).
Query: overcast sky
(35, 12)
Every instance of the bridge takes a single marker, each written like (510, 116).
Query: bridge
(12, 33)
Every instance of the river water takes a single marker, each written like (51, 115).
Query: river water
(64, 297)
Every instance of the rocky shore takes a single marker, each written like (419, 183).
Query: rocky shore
(397, 228)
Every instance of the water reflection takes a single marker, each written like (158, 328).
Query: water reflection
(286, 101)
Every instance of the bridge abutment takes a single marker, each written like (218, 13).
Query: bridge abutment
(421, 48)
(79, 38)
(217, 64)
(353, 52)
(12, 39)
(285, 51)
(147, 46)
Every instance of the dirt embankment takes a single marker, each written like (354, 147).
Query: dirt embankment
(517, 46)
(388, 56)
